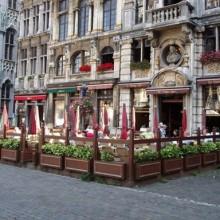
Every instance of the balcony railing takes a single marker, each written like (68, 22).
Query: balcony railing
(171, 14)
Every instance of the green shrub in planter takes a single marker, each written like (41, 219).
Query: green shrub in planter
(217, 145)
(140, 65)
(207, 147)
(11, 144)
(79, 152)
(190, 149)
(107, 156)
(145, 155)
(54, 149)
(171, 151)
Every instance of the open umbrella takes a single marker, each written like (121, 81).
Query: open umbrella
(124, 133)
(37, 119)
(77, 120)
(106, 129)
(184, 122)
(5, 117)
(155, 122)
(65, 118)
(32, 122)
(133, 119)
(72, 120)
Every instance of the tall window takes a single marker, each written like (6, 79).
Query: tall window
(24, 62)
(26, 21)
(12, 4)
(60, 65)
(9, 44)
(79, 59)
(139, 12)
(33, 60)
(209, 4)
(43, 59)
(46, 15)
(63, 19)
(107, 55)
(141, 50)
(212, 39)
(109, 15)
(83, 18)
(35, 19)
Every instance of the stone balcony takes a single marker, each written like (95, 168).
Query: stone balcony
(169, 15)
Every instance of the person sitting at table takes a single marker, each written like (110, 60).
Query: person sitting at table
(89, 132)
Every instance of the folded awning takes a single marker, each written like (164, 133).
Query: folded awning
(30, 97)
(169, 90)
(134, 85)
(208, 81)
(98, 86)
(62, 90)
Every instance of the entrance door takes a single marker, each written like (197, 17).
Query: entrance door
(170, 113)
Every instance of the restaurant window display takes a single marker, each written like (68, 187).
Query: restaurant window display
(141, 105)
(212, 107)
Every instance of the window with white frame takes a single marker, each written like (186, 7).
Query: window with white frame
(212, 39)
(12, 4)
(24, 62)
(79, 59)
(26, 21)
(83, 17)
(35, 19)
(43, 59)
(9, 44)
(33, 60)
(109, 14)
(46, 15)
(209, 4)
(139, 11)
(63, 19)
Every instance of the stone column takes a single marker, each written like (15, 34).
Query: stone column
(93, 58)
(118, 22)
(41, 9)
(55, 22)
(21, 25)
(70, 20)
(31, 22)
(76, 13)
(128, 15)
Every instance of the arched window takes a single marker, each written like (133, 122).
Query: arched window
(60, 68)
(5, 96)
(109, 14)
(79, 59)
(83, 17)
(107, 55)
(9, 44)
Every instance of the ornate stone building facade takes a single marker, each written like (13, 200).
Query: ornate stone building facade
(32, 71)
(8, 53)
(144, 53)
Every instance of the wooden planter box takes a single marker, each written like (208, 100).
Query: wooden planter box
(218, 156)
(192, 161)
(209, 158)
(52, 161)
(11, 155)
(26, 155)
(109, 169)
(73, 164)
(147, 169)
(170, 166)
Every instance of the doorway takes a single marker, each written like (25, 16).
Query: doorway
(171, 107)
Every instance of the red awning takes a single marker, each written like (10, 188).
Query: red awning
(30, 97)
(175, 90)
(98, 86)
(134, 85)
(208, 81)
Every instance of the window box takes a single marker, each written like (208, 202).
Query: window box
(73, 164)
(51, 161)
(147, 169)
(105, 67)
(85, 68)
(110, 169)
(209, 158)
(170, 166)
(192, 161)
(8, 154)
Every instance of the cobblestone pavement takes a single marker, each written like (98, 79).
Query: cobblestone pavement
(34, 195)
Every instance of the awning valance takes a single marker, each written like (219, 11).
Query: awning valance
(98, 86)
(208, 81)
(62, 90)
(134, 85)
(169, 90)
(30, 97)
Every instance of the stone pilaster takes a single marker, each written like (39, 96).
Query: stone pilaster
(76, 28)
(70, 20)
(41, 9)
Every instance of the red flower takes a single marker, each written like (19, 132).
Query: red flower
(85, 68)
(209, 57)
(105, 66)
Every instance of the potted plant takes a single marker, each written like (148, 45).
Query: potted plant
(192, 157)
(105, 67)
(10, 149)
(85, 68)
(208, 151)
(78, 158)
(218, 151)
(147, 164)
(52, 156)
(107, 167)
(172, 161)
